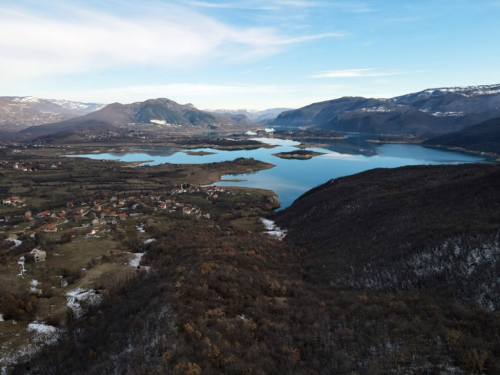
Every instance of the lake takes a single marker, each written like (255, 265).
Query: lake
(290, 178)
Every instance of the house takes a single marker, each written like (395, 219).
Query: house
(15, 199)
(7, 201)
(95, 221)
(51, 228)
(122, 216)
(78, 217)
(39, 255)
(90, 231)
(61, 214)
(27, 214)
(70, 204)
(163, 205)
(97, 207)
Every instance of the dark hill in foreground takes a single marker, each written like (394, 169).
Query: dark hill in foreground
(484, 137)
(432, 228)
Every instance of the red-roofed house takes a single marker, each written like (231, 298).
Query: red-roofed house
(122, 216)
(51, 228)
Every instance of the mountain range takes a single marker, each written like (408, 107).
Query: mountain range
(426, 113)
(18, 112)
(160, 114)
(261, 117)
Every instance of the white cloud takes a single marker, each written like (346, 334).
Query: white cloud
(255, 4)
(351, 73)
(39, 44)
(204, 95)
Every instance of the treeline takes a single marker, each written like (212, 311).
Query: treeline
(220, 300)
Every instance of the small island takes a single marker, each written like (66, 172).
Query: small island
(298, 154)
(199, 153)
(313, 145)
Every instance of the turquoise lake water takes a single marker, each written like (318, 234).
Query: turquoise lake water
(290, 178)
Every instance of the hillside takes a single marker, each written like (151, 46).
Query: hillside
(71, 128)
(484, 137)
(20, 112)
(429, 112)
(433, 228)
(161, 112)
(261, 117)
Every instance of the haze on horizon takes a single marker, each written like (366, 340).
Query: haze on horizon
(252, 54)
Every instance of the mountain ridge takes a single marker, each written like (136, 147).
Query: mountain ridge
(428, 112)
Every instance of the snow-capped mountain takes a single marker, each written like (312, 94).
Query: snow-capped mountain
(432, 111)
(20, 112)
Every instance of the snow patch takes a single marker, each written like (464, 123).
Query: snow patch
(1, 318)
(16, 242)
(21, 264)
(149, 241)
(273, 230)
(136, 260)
(78, 296)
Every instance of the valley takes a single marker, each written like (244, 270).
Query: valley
(164, 239)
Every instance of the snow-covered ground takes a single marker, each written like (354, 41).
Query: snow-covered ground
(16, 242)
(44, 333)
(78, 296)
(21, 264)
(273, 230)
(136, 260)
(34, 285)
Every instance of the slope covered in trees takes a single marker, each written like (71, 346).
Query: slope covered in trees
(432, 228)
(484, 137)
(218, 299)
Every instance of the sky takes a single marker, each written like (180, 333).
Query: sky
(244, 54)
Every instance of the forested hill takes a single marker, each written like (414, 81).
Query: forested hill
(413, 228)
(484, 137)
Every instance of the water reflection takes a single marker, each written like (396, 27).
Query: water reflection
(290, 178)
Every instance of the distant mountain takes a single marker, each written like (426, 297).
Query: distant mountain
(156, 114)
(432, 228)
(484, 137)
(161, 111)
(20, 112)
(429, 112)
(256, 116)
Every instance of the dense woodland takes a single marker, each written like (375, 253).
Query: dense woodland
(413, 228)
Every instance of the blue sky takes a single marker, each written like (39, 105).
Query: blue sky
(251, 54)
